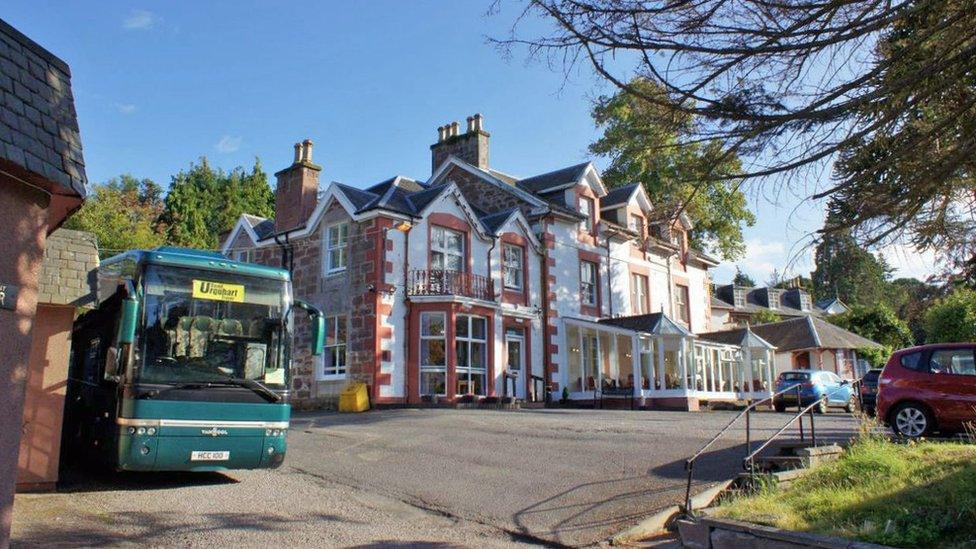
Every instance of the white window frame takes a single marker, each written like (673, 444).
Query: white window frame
(433, 368)
(243, 256)
(340, 245)
(340, 347)
(588, 212)
(640, 288)
(516, 252)
(684, 309)
(636, 223)
(469, 341)
(588, 288)
(438, 245)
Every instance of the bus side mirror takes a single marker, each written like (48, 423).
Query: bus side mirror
(130, 319)
(318, 326)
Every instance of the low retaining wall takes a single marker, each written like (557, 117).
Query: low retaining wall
(714, 533)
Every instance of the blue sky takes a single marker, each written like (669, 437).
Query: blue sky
(157, 85)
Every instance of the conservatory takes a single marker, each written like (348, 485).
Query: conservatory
(661, 363)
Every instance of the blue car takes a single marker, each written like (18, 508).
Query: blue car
(816, 386)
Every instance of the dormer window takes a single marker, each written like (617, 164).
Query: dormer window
(587, 208)
(636, 224)
(739, 298)
(773, 298)
(805, 302)
(678, 239)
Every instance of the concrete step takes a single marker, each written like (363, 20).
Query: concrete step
(778, 463)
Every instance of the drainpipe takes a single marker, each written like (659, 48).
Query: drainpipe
(609, 278)
(406, 310)
(546, 355)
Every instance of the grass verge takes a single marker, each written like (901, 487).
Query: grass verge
(920, 494)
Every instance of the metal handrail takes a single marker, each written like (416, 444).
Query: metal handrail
(690, 462)
(748, 462)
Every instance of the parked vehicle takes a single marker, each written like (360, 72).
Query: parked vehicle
(869, 391)
(929, 388)
(821, 386)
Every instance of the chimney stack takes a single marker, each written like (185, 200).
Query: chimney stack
(296, 193)
(471, 147)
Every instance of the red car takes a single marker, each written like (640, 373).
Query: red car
(929, 388)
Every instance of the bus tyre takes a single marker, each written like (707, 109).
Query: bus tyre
(911, 420)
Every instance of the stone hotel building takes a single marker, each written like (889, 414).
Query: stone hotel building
(474, 283)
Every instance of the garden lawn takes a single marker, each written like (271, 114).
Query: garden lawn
(920, 494)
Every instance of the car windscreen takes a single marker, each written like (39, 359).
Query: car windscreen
(794, 376)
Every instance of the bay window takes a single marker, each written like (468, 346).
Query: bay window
(446, 250)
(471, 344)
(337, 242)
(433, 356)
(513, 267)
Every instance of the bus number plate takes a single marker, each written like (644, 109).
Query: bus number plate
(209, 456)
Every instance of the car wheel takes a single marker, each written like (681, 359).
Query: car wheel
(822, 407)
(911, 420)
(780, 407)
(850, 406)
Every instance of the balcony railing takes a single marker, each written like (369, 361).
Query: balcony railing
(437, 282)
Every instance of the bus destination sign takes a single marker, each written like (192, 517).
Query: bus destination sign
(218, 291)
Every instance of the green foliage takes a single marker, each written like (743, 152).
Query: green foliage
(878, 323)
(122, 213)
(877, 357)
(742, 279)
(644, 149)
(765, 316)
(910, 299)
(203, 203)
(905, 495)
(846, 270)
(952, 318)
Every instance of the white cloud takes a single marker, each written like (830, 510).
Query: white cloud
(909, 262)
(229, 144)
(125, 108)
(139, 20)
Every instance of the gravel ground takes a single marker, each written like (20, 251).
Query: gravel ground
(438, 478)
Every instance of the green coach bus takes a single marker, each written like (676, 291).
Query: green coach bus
(184, 364)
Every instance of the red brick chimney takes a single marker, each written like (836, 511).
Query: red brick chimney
(471, 146)
(297, 191)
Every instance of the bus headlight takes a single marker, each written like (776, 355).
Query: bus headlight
(141, 431)
(132, 430)
(151, 431)
(270, 450)
(268, 432)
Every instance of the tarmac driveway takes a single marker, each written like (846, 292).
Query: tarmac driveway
(407, 477)
(567, 476)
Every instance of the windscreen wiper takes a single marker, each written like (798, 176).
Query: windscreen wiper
(257, 387)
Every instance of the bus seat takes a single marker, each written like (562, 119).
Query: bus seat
(183, 336)
(231, 327)
(200, 330)
(256, 327)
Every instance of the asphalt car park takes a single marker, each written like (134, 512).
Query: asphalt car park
(419, 476)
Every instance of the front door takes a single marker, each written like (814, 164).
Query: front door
(515, 363)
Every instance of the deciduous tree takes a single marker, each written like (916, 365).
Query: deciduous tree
(952, 318)
(123, 214)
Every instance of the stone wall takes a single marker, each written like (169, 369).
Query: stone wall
(485, 196)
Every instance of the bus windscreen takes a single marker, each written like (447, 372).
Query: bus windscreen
(210, 327)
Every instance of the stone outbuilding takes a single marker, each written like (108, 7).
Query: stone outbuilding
(42, 181)
(67, 287)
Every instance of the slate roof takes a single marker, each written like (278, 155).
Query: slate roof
(757, 299)
(69, 269)
(261, 226)
(796, 333)
(38, 124)
(494, 221)
(618, 196)
(551, 179)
